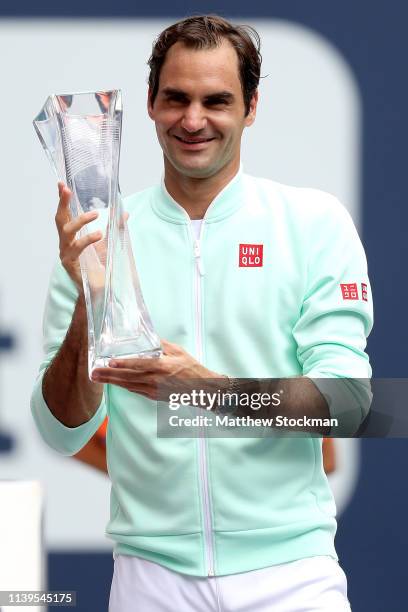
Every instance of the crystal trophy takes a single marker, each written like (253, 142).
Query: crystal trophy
(81, 134)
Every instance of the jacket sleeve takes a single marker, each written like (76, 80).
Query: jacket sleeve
(336, 317)
(60, 304)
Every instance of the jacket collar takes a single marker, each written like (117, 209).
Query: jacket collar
(229, 199)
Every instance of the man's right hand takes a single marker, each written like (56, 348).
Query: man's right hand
(70, 247)
(69, 394)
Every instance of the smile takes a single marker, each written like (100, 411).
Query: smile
(193, 141)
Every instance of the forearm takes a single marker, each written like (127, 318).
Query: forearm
(294, 398)
(94, 454)
(69, 394)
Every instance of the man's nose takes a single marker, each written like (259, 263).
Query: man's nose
(194, 118)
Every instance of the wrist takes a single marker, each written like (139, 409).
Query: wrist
(232, 385)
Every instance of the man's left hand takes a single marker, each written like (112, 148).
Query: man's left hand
(147, 376)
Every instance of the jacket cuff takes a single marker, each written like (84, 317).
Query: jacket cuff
(63, 439)
(349, 401)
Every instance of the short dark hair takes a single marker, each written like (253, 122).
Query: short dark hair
(206, 32)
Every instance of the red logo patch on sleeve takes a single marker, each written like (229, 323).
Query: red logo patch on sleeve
(250, 255)
(364, 295)
(349, 291)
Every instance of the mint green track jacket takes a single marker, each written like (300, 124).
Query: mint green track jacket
(300, 305)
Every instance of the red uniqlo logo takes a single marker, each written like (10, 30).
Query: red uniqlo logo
(349, 291)
(250, 255)
(364, 292)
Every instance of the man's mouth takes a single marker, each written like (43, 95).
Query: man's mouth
(193, 140)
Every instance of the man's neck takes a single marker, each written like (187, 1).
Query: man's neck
(196, 194)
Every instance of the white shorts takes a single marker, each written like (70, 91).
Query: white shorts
(314, 584)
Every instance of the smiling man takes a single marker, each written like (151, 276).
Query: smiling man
(247, 278)
(200, 114)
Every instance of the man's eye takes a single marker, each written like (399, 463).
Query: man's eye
(217, 102)
(176, 100)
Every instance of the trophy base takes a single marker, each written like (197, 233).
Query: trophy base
(103, 362)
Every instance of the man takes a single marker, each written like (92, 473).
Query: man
(215, 523)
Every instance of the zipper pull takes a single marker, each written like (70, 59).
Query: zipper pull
(198, 258)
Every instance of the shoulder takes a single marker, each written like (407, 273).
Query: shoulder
(307, 204)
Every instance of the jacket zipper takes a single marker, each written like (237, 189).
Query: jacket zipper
(205, 489)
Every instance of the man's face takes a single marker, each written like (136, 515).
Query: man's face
(199, 109)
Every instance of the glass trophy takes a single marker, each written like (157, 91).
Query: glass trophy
(81, 134)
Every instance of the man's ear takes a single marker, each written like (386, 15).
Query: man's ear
(250, 118)
(149, 103)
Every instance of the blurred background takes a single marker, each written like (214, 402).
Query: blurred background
(331, 115)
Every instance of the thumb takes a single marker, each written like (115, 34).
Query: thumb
(169, 348)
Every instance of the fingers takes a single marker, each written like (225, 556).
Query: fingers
(127, 379)
(72, 252)
(63, 213)
(133, 371)
(72, 227)
(70, 247)
(146, 374)
(68, 227)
